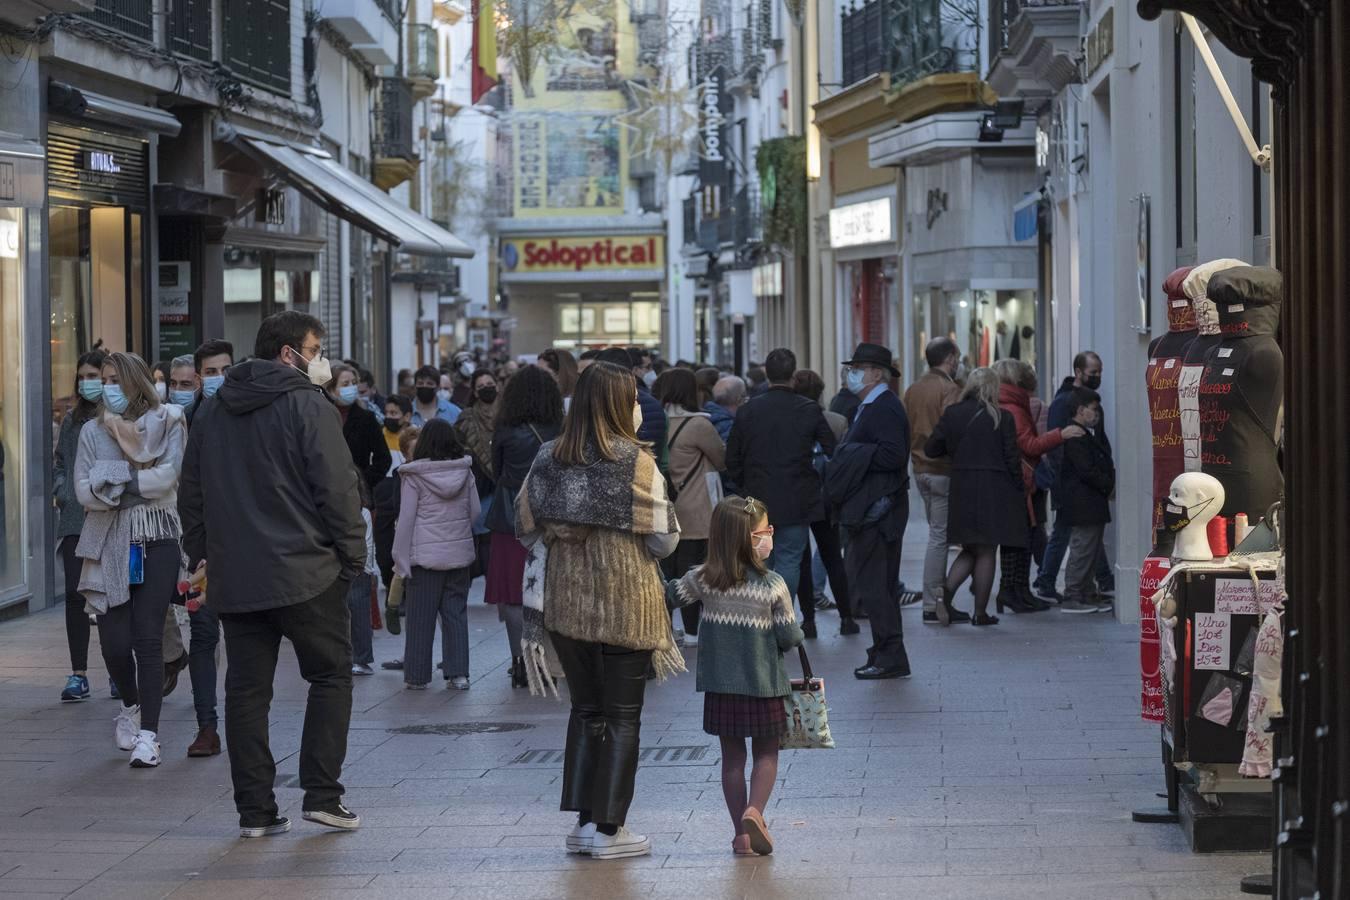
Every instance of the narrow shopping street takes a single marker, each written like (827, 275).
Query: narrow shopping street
(1006, 767)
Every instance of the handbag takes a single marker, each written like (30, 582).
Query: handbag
(807, 714)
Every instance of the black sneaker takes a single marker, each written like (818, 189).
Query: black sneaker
(335, 816)
(959, 615)
(278, 825)
(809, 629)
(848, 626)
(930, 617)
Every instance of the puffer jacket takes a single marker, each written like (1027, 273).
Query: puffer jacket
(438, 507)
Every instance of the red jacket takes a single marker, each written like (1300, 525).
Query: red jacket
(1016, 402)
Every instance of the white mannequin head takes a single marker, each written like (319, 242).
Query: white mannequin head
(1196, 287)
(1193, 500)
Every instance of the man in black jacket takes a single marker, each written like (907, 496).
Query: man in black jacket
(769, 455)
(872, 560)
(268, 498)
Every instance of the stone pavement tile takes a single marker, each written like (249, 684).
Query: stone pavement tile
(247, 888)
(101, 889)
(39, 887)
(952, 887)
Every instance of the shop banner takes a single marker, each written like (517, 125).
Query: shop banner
(580, 254)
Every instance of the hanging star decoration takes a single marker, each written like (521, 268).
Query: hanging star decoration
(662, 119)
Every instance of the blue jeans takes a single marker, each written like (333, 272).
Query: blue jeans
(1055, 548)
(204, 631)
(790, 543)
(363, 633)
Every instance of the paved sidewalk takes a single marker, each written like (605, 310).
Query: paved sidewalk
(1005, 768)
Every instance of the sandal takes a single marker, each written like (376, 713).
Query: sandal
(740, 845)
(983, 619)
(753, 823)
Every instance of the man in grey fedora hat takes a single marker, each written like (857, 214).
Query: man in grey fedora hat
(870, 475)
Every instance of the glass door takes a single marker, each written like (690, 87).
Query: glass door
(13, 477)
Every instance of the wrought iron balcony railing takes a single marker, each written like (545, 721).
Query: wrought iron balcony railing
(393, 135)
(189, 28)
(1003, 13)
(911, 39)
(134, 18)
(257, 42)
(424, 58)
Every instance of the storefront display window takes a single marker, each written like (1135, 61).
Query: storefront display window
(261, 282)
(986, 325)
(13, 522)
(590, 320)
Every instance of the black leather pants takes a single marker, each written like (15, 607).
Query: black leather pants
(607, 684)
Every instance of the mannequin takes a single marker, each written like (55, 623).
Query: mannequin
(1194, 499)
(1163, 376)
(1196, 287)
(1242, 391)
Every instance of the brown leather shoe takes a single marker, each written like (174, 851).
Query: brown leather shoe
(207, 742)
(171, 671)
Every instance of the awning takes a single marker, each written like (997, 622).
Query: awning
(329, 184)
(80, 103)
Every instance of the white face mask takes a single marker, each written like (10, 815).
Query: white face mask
(649, 378)
(466, 368)
(637, 418)
(318, 370)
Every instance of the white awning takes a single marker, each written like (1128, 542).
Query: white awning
(329, 184)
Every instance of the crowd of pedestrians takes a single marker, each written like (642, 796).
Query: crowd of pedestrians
(618, 509)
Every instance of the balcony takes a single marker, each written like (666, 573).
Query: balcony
(257, 44)
(392, 139)
(133, 18)
(189, 29)
(1036, 43)
(368, 25)
(424, 60)
(737, 224)
(910, 39)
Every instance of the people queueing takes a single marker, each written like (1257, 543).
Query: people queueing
(770, 455)
(594, 508)
(1087, 479)
(287, 573)
(987, 506)
(874, 462)
(70, 519)
(728, 396)
(530, 416)
(433, 550)
(126, 475)
(748, 623)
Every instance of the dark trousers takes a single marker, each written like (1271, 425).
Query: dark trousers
(363, 631)
(873, 565)
(600, 763)
(204, 631)
(827, 542)
(1055, 548)
(77, 620)
(430, 594)
(688, 553)
(137, 626)
(319, 631)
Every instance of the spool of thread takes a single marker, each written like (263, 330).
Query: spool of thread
(1240, 529)
(1217, 532)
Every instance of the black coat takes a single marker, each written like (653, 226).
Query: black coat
(882, 426)
(268, 491)
(985, 503)
(1087, 476)
(769, 454)
(513, 452)
(365, 439)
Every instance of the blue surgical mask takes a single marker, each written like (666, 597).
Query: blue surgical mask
(854, 380)
(347, 395)
(114, 399)
(185, 399)
(211, 384)
(91, 389)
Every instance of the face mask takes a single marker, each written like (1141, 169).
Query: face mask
(1177, 517)
(393, 426)
(649, 378)
(854, 380)
(637, 418)
(211, 384)
(162, 389)
(487, 394)
(319, 369)
(185, 399)
(426, 395)
(443, 394)
(91, 389)
(466, 368)
(1092, 382)
(764, 546)
(114, 399)
(348, 395)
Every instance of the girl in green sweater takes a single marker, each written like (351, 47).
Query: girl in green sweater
(747, 624)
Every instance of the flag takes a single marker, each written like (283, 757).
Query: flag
(484, 49)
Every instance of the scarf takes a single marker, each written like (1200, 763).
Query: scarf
(144, 440)
(626, 494)
(476, 430)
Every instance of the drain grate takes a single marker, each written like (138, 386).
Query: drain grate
(461, 728)
(664, 755)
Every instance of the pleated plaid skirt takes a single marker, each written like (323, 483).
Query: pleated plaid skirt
(739, 716)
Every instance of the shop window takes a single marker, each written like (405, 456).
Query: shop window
(13, 537)
(261, 282)
(986, 325)
(600, 321)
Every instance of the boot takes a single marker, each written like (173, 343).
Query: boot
(518, 679)
(1030, 599)
(1009, 600)
(207, 742)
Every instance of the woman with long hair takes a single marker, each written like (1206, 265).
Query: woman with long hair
(126, 478)
(562, 365)
(987, 508)
(594, 513)
(360, 427)
(530, 414)
(70, 517)
(475, 429)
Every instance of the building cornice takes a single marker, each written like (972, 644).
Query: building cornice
(856, 107)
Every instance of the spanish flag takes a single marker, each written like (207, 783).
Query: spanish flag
(484, 49)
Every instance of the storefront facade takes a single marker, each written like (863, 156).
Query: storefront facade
(864, 241)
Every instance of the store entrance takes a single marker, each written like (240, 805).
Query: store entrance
(261, 282)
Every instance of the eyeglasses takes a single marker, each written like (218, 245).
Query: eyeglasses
(767, 531)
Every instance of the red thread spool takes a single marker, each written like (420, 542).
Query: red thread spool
(1217, 532)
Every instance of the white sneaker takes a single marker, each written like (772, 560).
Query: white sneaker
(128, 724)
(691, 640)
(581, 838)
(145, 755)
(459, 683)
(680, 637)
(619, 845)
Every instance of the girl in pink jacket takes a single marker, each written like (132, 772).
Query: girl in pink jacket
(433, 549)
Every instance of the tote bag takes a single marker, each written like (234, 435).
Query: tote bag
(807, 716)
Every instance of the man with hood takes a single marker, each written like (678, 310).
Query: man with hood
(268, 499)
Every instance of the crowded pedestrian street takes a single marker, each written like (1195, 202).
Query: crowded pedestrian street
(1006, 767)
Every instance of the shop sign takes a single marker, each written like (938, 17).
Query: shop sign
(869, 222)
(716, 104)
(580, 254)
(102, 161)
(767, 279)
(1101, 41)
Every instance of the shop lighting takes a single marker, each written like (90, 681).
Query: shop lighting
(989, 132)
(1008, 114)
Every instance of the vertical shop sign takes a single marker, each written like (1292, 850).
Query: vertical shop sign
(175, 309)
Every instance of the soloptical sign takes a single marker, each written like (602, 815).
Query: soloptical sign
(576, 256)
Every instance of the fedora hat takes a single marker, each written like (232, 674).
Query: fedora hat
(874, 355)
